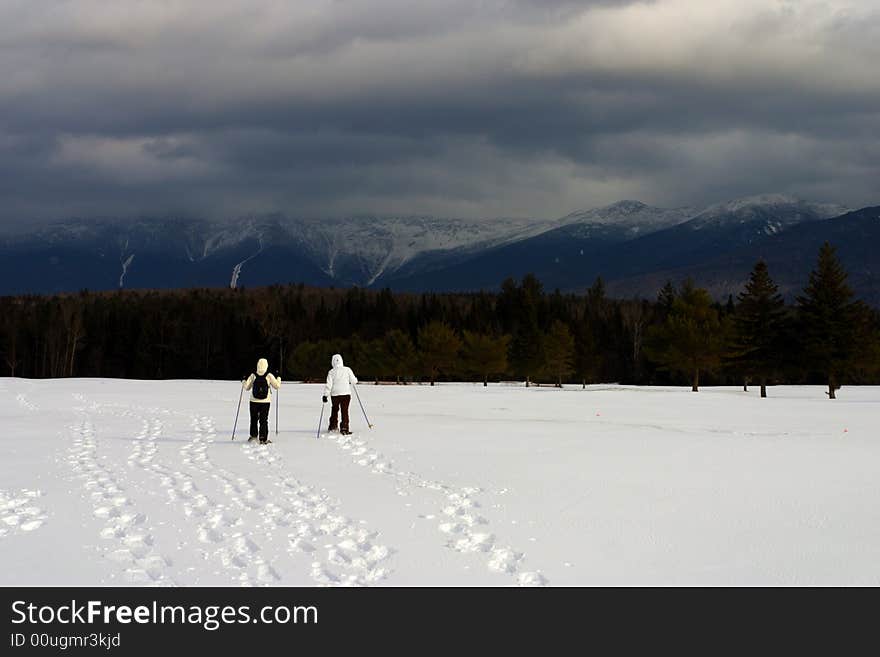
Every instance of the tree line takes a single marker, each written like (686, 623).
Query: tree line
(521, 332)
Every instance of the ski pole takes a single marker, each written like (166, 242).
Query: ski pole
(320, 420)
(356, 394)
(237, 411)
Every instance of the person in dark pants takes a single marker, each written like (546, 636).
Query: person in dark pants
(339, 403)
(339, 381)
(260, 384)
(259, 421)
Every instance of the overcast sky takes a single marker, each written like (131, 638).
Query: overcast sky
(472, 109)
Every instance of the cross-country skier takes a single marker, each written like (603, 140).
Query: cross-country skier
(339, 381)
(260, 385)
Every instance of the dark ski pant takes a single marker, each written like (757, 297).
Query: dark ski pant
(340, 402)
(260, 413)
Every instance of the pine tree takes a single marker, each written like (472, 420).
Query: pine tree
(525, 348)
(691, 338)
(596, 293)
(438, 349)
(665, 299)
(594, 334)
(559, 352)
(758, 327)
(827, 313)
(866, 367)
(730, 306)
(588, 359)
(483, 354)
(507, 305)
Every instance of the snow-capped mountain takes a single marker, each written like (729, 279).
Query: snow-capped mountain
(625, 219)
(254, 250)
(626, 240)
(555, 255)
(363, 249)
(621, 240)
(774, 211)
(790, 255)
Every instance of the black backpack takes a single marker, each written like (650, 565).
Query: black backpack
(261, 386)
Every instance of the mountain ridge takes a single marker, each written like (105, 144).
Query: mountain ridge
(624, 241)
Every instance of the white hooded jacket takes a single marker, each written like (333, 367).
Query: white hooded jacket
(262, 368)
(339, 379)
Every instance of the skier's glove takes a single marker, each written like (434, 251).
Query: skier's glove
(324, 399)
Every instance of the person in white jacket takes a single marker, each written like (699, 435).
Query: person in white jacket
(260, 384)
(339, 381)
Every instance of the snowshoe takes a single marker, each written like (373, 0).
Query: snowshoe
(252, 439)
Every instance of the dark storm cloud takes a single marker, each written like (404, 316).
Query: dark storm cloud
(520, 107)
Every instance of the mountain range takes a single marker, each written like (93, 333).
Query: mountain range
(633, 246)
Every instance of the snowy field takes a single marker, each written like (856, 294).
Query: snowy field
(119, 482)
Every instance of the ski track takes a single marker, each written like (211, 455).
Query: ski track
(236, 548)
(216, 524)
(351, 557)
(19, 513)
(465, 528)
(344, 551)
(126, 536)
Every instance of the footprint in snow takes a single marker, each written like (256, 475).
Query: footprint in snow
(19, 513)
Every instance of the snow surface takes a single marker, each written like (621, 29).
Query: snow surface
(118, 482)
